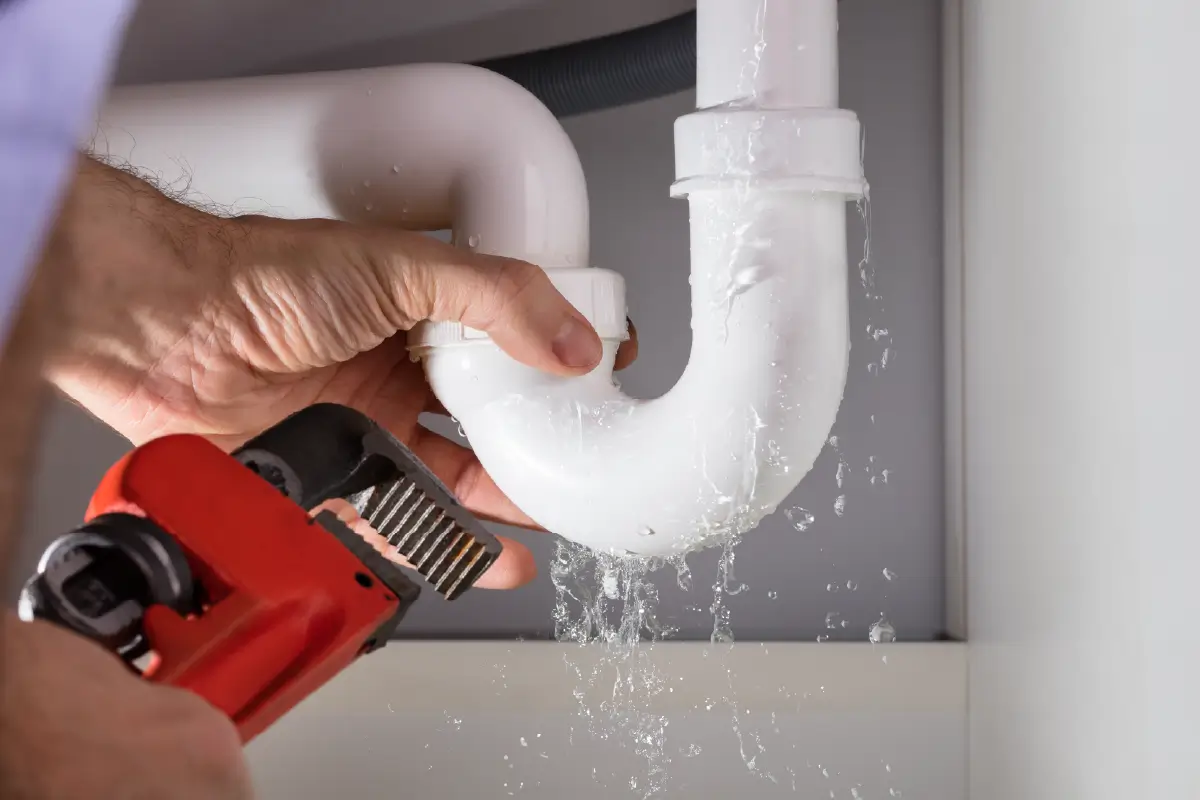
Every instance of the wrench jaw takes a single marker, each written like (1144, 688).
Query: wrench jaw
(427, 535)
(329, 451)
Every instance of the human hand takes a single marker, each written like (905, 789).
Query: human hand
(180, 321)
(62, 702)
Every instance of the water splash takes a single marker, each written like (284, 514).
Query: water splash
(609, 600)
(722, 632)
(609, 604)
(881, 632)
(801, 518)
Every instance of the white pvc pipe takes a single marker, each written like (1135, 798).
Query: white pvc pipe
(767, 176)
(767, 54)
(425, 147)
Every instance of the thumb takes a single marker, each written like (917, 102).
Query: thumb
(513, 301)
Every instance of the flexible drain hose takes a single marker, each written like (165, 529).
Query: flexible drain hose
(615, 70)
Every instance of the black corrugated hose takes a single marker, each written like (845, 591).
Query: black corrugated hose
(615, 70)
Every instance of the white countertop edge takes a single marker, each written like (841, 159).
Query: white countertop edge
(535, 677)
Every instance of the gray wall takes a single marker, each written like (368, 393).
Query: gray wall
(890, 76)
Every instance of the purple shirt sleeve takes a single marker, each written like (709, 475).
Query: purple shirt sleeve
(56, 57)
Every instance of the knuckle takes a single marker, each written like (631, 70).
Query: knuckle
(518, 278)
(506, 285)
(518, 284)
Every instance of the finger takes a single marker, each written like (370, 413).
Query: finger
(512, 301)
(458, 468)
(514, 568)
(628, 351)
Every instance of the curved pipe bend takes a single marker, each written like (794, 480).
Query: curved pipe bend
(734, 436)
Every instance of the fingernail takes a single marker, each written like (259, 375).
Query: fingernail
(576, 344)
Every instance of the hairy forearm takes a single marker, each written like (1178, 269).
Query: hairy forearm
(151, 269)
(147, 262)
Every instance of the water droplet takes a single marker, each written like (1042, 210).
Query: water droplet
(872, 419)
(882, 632)
(801, 518)
(367, 184)
(395, 169)
(773, 595)
(369, 207)
(883, 360)
(887, 573)
(506, 758)
(523, 742)
(839, 505)
(824, 637)
(885, 474)
(852, 585)
(683, 573)
(646, 530)
(831, 620)
(610, 585)
(879, 333)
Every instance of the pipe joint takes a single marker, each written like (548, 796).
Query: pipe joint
(801, 149)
